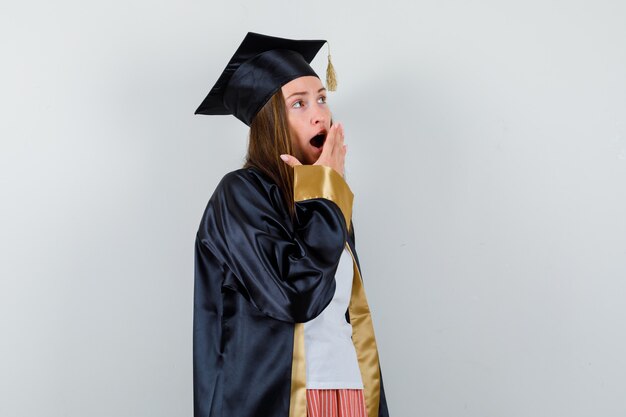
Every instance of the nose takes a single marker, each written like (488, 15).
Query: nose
(318, 115)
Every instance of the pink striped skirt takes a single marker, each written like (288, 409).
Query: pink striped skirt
(335, 403)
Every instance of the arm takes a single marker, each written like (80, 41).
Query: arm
(285, 270)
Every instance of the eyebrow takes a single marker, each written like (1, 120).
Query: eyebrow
(302, 93)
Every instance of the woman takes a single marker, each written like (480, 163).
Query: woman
(281, 322)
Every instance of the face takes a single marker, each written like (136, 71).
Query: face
(308, 116)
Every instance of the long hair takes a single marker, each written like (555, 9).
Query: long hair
(269, 138)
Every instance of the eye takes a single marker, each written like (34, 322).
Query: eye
(297, 104)
(322, 100)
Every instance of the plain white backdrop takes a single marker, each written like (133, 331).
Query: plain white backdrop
(487, 154)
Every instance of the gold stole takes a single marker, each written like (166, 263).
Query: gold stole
(318, 181)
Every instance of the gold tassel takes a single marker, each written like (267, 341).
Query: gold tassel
(331, 77)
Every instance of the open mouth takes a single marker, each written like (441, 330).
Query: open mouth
(318, 140)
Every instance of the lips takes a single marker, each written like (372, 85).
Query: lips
(318, 140)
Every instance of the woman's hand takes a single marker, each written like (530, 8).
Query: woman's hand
(333, 153)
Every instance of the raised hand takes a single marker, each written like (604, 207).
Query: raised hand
(333, 152)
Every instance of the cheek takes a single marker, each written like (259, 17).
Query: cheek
(297, 133)
(295, 140)
(298, 143)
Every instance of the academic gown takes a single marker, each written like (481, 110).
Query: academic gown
(258, 277)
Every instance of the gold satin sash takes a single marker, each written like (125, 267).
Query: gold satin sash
(297, 404)
(318, 181)
(364, 342)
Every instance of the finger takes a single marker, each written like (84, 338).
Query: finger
(331, 139)
(338, 138)
(292, 161)
(334, 132)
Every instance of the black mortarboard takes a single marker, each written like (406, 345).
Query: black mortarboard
(260, 66)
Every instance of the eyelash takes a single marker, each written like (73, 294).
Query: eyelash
(301, 101)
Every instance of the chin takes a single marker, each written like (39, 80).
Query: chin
(309, 161)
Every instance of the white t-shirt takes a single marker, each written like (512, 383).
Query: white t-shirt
(331, 360)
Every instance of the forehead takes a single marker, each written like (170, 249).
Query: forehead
(307, 84)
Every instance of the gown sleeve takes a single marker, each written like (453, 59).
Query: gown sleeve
(285, 269)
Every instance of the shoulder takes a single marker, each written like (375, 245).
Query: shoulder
(245, 189)
(244, 181)
(244, 195)
(242, 176)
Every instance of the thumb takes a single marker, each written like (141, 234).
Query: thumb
(292, 161)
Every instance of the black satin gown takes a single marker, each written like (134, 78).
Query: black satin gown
(257, 275)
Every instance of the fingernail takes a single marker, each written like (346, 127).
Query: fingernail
(284, 158)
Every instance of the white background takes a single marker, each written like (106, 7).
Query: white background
(486, 150)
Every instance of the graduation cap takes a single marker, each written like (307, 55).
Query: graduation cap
(261, 65)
